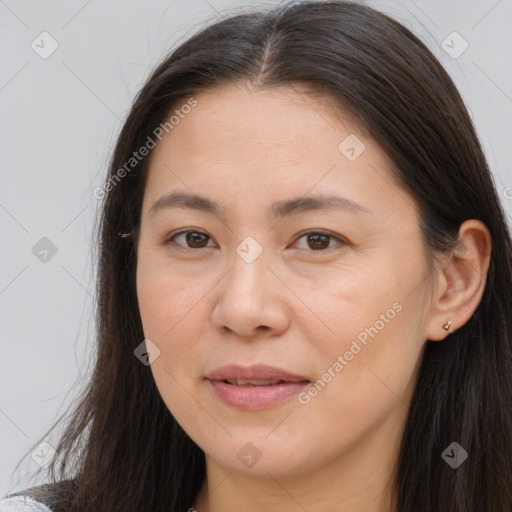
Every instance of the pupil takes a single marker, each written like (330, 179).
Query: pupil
(192, 238)
(317, 236)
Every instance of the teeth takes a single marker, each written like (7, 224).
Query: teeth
(245, 382)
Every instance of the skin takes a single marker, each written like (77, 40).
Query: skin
(294, 307)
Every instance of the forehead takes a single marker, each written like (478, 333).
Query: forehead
(239, 125)
(266, 145)
(240, 117)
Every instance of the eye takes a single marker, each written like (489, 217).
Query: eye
(320, 241)
(193, 239)
(315, 240)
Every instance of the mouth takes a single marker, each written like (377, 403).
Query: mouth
(245, 382)
(255, 388)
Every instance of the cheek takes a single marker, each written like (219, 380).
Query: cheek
(371, 383)
(164, 299)
(173, 314)
(169, 320)
(375, 334)
(375, 360)
(348, 305)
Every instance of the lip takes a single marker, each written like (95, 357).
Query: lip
(254, 398)
(256, 372)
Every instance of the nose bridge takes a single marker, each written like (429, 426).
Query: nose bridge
(249, 269)
(246, 302)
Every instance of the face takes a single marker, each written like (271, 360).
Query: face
(331, 292)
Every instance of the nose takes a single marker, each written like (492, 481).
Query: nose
(251, 300)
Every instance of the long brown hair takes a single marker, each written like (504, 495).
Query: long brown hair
(122, 449)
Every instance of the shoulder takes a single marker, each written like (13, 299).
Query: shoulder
(50, 497)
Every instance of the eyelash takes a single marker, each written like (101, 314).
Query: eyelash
(170, 240)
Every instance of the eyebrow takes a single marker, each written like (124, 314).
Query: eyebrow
(278, 209)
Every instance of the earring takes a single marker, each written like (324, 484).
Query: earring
(447, 325)
(124, 235)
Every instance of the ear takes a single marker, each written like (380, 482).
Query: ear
(461, 280)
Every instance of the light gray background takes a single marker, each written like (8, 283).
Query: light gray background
(60, 117)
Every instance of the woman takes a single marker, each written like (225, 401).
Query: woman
(304, 287)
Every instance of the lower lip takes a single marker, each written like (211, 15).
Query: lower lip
(254, 398)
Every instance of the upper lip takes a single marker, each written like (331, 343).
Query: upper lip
(256, 372)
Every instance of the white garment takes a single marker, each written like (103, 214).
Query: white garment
(22, 504)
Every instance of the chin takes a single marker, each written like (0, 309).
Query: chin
(260, 456)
